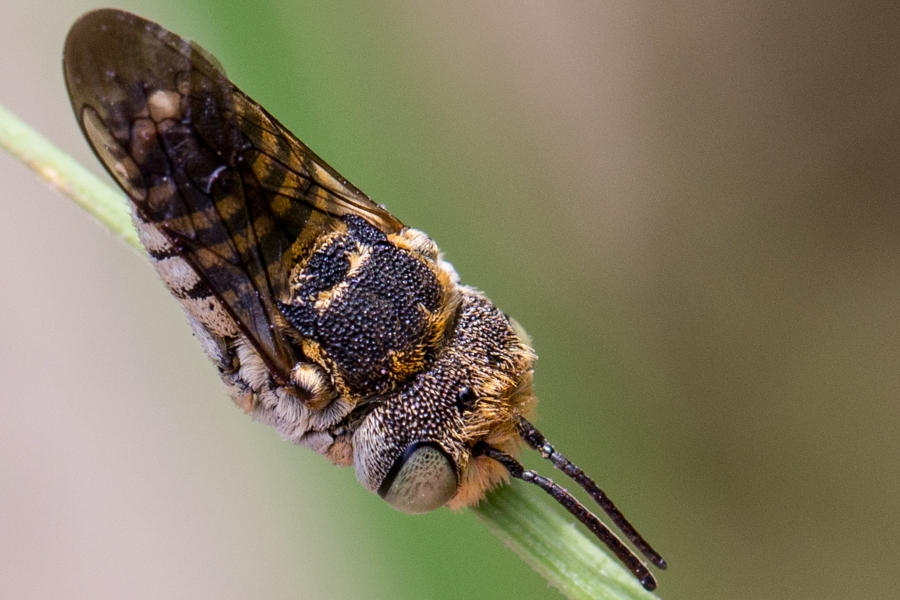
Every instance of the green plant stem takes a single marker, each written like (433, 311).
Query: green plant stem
(554, 547)
(67, 175)
(551, 545)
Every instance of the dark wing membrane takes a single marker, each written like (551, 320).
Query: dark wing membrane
(235, 193)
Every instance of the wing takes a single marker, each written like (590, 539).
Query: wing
(237, 196)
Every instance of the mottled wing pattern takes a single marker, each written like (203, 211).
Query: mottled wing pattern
(235, 194)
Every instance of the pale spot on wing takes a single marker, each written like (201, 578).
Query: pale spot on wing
(164, 104)
(143, 140)
(117, 160)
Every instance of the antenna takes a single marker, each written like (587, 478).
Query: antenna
(536, 440)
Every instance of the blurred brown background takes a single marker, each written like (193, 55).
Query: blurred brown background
(692, 207)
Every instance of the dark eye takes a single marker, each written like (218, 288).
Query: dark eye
(421, 480)
(465, 399)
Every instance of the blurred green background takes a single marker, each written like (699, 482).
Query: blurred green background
(692, 207)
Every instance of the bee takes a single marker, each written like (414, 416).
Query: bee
(326, 317)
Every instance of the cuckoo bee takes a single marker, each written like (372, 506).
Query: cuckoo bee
(326, 317)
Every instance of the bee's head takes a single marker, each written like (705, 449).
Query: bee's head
(417, 448)
(418, 451)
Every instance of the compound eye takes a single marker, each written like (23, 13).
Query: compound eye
(421, 480)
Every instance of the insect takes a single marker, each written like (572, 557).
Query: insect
(326, 317)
